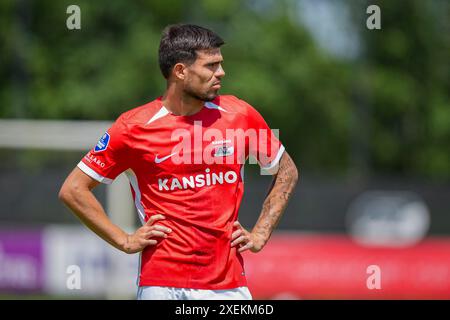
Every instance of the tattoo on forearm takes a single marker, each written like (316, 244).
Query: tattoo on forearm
(277, 197)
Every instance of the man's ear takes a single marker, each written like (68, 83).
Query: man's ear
(179, 71)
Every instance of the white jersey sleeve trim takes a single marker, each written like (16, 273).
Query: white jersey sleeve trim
(94, 175)
(137, 194)
(272, 167)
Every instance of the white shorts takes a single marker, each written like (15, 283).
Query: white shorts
(170, 293)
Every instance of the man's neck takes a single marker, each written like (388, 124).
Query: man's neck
(180, 104)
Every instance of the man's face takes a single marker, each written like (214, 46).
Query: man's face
(204, 75)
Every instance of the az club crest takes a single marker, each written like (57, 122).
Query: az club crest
(102, 144)
(223, 151)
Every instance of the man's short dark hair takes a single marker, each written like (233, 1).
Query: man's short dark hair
(180, 42)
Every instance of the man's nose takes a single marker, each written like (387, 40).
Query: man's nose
(220, 73)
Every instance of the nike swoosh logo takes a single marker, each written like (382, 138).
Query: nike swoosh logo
(159, 160)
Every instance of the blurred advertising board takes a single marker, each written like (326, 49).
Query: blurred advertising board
(291, 266)
(295, 266)
(49, 260)
(21, 260)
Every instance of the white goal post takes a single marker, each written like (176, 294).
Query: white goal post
(75, 136)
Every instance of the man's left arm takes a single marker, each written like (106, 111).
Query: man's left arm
(283, 185)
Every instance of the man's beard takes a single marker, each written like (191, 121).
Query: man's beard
(203, 97)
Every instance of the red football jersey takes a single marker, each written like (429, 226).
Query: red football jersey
(190, 169)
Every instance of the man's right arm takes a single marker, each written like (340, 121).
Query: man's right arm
(76, 193)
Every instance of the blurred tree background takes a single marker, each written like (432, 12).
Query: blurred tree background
(365, 114)
(383, 108)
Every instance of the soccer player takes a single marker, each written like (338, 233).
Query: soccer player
(184, 154)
